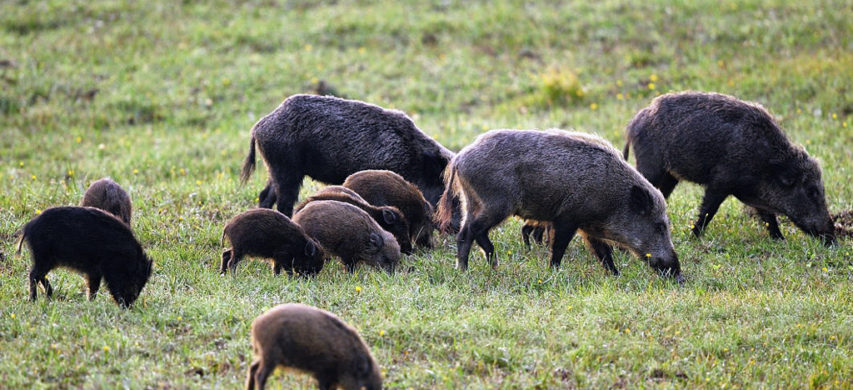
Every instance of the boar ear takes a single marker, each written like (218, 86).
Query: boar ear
(783, 172)
(640, 200)
(310, 249)
(375, 243)
(362, 366)
(389, 216)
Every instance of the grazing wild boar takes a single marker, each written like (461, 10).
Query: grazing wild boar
(350, 233)
(388, 217)
(563, 178)
(107, 195)
(311, 340)
(328, 139)
(386, 188)
(270, 234)
(91, 242)
(731, 147)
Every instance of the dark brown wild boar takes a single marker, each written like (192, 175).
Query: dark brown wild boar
(91, 242)
(107, 195)
(563, 178)
(388, 217)
(348, 232)
(731, 147)
(328, 139)
(270, 234)
(386, 188)
(314, 341)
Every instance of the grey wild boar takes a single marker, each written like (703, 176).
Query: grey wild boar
(350, 233)
(731, 147)
(328, 139)
(270, 234)
(91, 242)
(388, 217)
(563, 178)
(381, 187)
(107, 195)
(311, 340)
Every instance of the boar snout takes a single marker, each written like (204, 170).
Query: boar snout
(667, 266)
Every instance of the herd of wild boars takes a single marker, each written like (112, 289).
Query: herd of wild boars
(390, 186)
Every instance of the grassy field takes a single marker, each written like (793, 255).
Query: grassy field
(161, 95)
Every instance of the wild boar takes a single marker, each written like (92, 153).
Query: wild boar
(563, 178)
(386, 188)
(328, 139)
(350, 233)
(91, 242)
(311, 340)
(269, 234)
(388, 217)
(107, 195)
(731, 147)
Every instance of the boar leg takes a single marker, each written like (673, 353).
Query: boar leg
(665, 184)
(479, 230)
(235, 258)
(37, 275)
(463, 246)
(94, 284)
(710, 204)
(526, 230)
(771, 223)
(563, 233)
(659, 178)
(226, 257)
(250, 376)
(267, 197)
(287, 191)
(263, 371)
(488, 248)
(602, 251)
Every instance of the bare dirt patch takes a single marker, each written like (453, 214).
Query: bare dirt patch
(843, 223)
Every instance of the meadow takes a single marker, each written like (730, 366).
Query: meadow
(161, 95)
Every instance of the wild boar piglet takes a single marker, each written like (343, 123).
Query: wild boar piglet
(388, 217)
(92, 242)
(270, 234)
(311, 340)
(348, 232)
(386, 188)
(107, 195)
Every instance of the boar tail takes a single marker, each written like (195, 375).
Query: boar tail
(21, 240)
(249, 163)
(444, 214)
(627, 149)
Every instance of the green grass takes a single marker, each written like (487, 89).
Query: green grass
(160, 95)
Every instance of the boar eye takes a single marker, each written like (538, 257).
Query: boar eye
(661, 227)
(814, 193)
